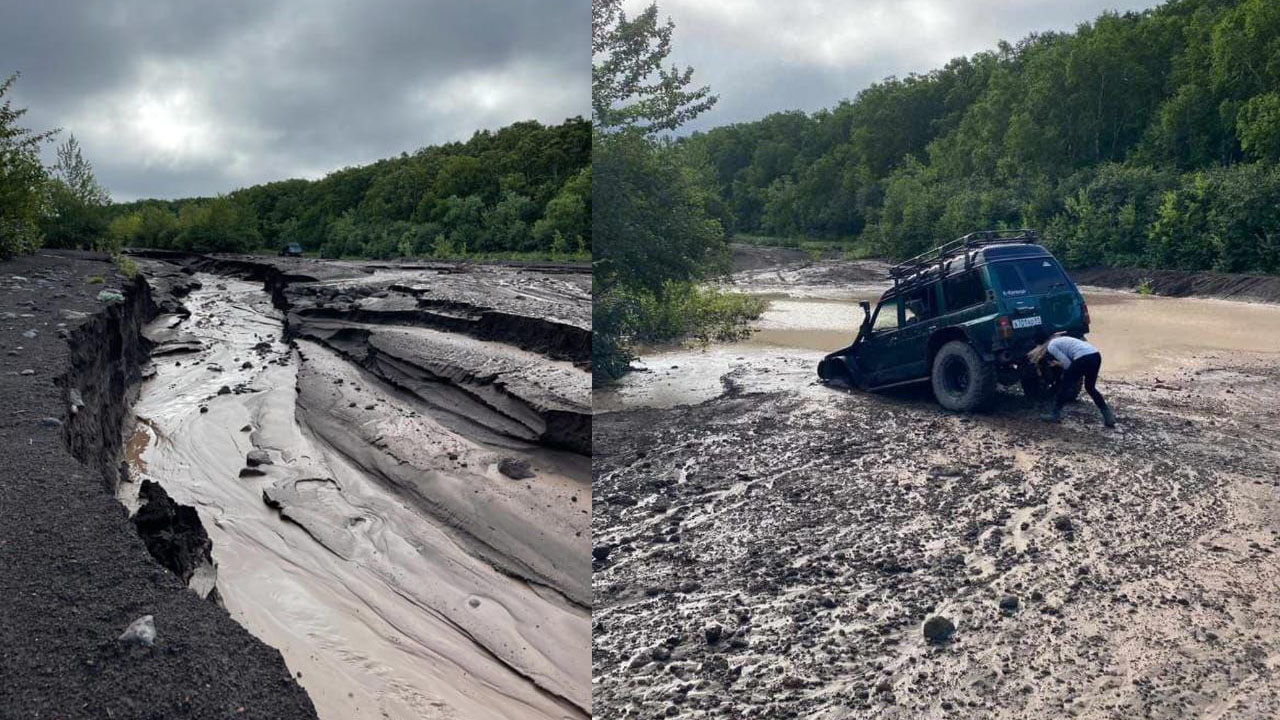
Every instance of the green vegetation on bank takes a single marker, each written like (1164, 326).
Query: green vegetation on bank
(655, 231)
(1142, 139)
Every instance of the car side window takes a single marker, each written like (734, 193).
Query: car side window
(886, 317)
(919, 305)
(963, 290)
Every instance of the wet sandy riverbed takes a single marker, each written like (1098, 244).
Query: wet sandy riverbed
(1138, 335)
(381, 606)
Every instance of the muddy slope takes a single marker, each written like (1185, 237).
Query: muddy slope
(73, 570)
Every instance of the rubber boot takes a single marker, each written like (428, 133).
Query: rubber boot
(1053, 416)
(1108, 417)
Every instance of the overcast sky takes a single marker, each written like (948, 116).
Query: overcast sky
(762, 56)
(174, 99)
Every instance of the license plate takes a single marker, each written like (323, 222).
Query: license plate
(1026, 322)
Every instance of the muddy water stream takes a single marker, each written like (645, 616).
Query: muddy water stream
(1136, 334)
(379, 608)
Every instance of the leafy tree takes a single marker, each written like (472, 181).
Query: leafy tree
(630, 88)
(23, 180)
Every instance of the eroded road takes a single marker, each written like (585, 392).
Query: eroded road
(349, 482)
(770, 547)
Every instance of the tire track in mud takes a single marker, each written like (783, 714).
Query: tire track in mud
(1141, 563)
(385, 589)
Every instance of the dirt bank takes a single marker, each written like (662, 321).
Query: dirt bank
(1178, 283)
(73, 571)
(773, 547)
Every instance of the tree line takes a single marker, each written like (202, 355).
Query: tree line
(1140, 139)
(523, 190)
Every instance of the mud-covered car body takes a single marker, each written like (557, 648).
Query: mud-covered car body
(964, 314)
(291, 250)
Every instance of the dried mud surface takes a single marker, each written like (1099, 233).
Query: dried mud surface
(774, 548)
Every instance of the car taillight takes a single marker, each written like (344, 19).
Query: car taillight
(1005, 327)
(1084, 312)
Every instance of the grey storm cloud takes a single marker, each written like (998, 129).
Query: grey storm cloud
(174, 99)
(762, 56)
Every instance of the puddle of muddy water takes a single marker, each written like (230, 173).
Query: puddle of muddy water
(1136, 334)
(379, 609)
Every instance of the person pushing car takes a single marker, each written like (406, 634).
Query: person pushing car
(1079, 360)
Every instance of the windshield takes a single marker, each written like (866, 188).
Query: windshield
(1036, 276)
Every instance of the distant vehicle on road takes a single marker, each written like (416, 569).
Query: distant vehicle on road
(291, 250)
(963, 317)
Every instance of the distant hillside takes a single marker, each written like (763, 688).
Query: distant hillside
(524, 189)
(1147, 139)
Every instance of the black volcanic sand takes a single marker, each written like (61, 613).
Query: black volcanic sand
(73, 571)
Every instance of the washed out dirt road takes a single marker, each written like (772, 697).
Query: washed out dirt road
(769, 547)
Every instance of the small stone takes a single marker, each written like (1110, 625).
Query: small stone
(474, 602)
(140, 632)
(215, 368)
(257, 457)
(1009, 603)
(51, 422)
(203, 410)
(713, 632)
(247, 428)
(30, 334)
(938, 630)
(251, 472)
(601, 552)
(28, 371)
(224, 390)
(515, 469)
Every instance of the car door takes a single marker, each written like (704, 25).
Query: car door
(875, 352)
(910, 343)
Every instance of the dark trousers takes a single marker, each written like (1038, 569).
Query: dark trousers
(1087, 367)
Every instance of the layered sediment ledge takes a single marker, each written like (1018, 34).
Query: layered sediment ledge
(74, 572)
(424, 495)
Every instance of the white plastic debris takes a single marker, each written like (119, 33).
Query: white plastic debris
(140, 632)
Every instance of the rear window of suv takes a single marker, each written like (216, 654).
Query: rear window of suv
(1036, 276)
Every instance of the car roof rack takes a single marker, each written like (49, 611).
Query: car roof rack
(936, 258)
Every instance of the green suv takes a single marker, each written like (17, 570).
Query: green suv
(963, 317)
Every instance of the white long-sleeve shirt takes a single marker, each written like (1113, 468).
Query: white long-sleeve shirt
(1066, 349)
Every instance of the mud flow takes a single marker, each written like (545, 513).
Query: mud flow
(350, 485)
(767, 546)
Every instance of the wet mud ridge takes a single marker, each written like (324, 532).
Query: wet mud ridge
(392, 466)
(74, 572)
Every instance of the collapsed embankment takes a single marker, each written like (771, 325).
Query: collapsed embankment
(74, 572)
(413, 532)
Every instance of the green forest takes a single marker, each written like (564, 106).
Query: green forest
(523, 191)
(1141, 139)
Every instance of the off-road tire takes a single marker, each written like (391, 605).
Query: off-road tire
(962, 380)
(834, 370)
(1033, 386)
